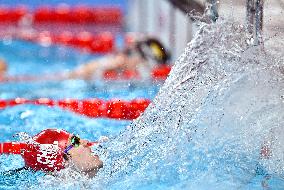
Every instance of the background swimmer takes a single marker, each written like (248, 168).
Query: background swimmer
(3, 69)
(141, 55)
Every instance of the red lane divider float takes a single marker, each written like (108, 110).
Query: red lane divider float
(115, 109)
(160, 72)
(99, 43)
(63, 13)
(78, 14)
(12, 14)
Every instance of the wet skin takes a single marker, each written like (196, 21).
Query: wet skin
(83, 159)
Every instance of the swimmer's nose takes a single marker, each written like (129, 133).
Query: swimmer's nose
(91, 143)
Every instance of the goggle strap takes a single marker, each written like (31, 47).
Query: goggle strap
(68, 148)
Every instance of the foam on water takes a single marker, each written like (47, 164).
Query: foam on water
(206, 126)
(208, 122)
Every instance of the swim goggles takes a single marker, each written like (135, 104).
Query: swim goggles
(75, 142)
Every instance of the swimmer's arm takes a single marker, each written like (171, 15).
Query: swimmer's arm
(87, 70)
(84, 71)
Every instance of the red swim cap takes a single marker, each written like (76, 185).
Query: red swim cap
(46, 152)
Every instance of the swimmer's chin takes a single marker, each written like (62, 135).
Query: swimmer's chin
(91, 173)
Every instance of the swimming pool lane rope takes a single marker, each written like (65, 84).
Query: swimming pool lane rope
(114, 108)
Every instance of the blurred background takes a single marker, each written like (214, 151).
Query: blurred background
(172, 21)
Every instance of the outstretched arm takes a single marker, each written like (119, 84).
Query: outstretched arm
(84, 71)
(88, 70)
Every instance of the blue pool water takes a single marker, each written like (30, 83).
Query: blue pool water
(204, 130)
(25, 58)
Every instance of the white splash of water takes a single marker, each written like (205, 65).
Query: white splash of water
(208, 122)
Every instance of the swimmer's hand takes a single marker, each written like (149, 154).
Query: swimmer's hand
(265, 152)
(103, 139)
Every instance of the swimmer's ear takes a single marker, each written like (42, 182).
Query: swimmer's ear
(66, 157)
(67, 160)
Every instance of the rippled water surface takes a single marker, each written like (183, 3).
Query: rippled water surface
(204, 130)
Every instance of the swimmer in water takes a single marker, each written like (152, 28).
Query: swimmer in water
(3, 69)
(140, 55)
(52, 150)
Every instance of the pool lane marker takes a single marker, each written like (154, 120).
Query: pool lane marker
(94, 108)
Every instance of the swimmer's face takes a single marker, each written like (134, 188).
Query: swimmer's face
(83, 158)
